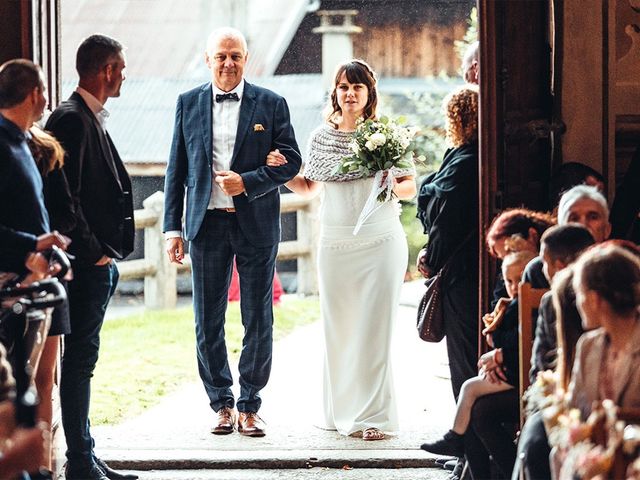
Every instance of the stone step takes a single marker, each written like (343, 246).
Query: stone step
(315, 473)
(267, 459)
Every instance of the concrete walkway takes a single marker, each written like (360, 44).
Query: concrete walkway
(175, 434)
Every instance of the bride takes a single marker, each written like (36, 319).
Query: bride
(359, 276)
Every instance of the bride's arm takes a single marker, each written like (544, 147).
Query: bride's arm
(298, 184)
(405, 187)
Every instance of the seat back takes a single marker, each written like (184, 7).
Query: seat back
(528, 303)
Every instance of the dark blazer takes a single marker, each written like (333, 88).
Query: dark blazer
(99, 184)
(190, 162)
(23, 216)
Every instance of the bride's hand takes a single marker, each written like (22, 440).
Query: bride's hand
(275, 158)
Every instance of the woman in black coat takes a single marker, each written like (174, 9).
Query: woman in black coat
(449, 211)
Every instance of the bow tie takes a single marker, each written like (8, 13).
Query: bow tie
(221, 97)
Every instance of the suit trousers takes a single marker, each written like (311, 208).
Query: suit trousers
(89, 294)
(212, 251)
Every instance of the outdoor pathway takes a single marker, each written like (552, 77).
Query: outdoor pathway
(175, 434)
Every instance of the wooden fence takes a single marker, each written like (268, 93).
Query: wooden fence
(160, 275)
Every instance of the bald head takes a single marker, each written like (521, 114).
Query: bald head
(225, 33)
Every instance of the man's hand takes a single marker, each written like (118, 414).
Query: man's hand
(104, 260)
(47, 240)
(230, 182)
(175, 249)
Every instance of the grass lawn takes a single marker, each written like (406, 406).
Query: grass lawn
(146, 356)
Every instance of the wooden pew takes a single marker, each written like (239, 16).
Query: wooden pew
(528, 303)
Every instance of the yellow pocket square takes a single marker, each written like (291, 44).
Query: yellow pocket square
(258, 127)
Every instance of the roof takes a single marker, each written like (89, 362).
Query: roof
(141, 120)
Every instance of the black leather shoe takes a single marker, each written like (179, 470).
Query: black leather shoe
(112, 474)
(451, 444)
(94, 472)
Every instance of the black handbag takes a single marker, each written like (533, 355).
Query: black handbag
(430, 321)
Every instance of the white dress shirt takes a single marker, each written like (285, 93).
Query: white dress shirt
(95, 106)
(224, 122)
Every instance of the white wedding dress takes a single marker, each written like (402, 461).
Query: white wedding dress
(359, 280)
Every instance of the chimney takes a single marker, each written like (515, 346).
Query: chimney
(336, 27)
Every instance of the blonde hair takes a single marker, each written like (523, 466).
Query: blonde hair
(520, 258)
(46, 151)
(461, 112)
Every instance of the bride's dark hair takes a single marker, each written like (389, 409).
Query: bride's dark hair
(356, 71)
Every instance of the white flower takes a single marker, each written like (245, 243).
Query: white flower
(370, 145)
(378, 139)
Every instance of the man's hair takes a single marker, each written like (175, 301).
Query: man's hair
(470, 55)
(577, 193)
(566, 242)
(18, 78)
(95, 52)
(225, 32)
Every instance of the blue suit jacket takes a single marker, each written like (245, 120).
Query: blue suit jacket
(189, 170)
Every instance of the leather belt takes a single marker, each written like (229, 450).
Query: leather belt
(228, 210)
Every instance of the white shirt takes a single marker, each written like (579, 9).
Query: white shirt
(95, 106)
(224, 122)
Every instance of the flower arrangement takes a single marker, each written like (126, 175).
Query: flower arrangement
(378, 146)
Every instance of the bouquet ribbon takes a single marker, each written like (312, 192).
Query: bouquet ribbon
(381, 192)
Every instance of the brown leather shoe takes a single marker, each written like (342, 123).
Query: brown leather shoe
(225, 423)
(250, 424)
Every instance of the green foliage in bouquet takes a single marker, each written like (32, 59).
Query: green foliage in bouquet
(380, 145)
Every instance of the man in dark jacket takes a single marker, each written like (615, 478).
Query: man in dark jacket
(104, 230)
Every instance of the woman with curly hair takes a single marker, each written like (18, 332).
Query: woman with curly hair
(517, 229)
(449, 211)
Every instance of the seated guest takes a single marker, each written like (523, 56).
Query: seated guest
(502, 332)
(582, 204)
(607, 365)
(568, 324)
(559, 247)
(570, 174)
(515, 229)
(607, 285)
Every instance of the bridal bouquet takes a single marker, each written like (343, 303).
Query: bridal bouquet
(378, 146)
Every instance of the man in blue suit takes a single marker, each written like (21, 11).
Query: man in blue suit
(223, 132)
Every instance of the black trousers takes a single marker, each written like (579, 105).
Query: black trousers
(533, 450)
(491, 435)
(460, 313)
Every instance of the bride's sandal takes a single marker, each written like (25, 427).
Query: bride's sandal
(369, 434)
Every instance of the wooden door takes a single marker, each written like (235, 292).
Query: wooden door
(30, 29)
(516, 114)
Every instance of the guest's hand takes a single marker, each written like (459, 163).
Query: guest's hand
(48, 240)
(490, 365)
(175, 250)
(422, 266)
(275, 159)
(489, 338)
(230, 182)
